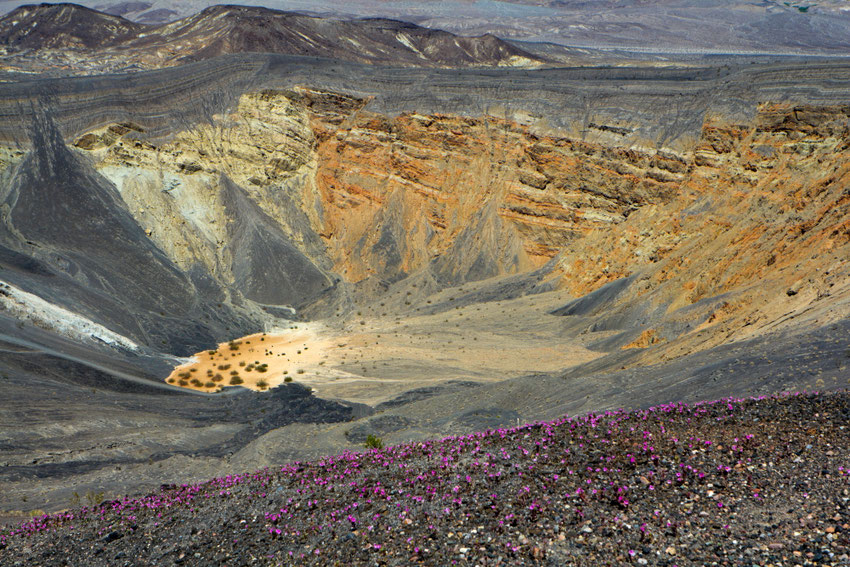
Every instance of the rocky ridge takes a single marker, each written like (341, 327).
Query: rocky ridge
(72, 39)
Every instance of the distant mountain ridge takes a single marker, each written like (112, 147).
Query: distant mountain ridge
(665, 26)
(225, 29)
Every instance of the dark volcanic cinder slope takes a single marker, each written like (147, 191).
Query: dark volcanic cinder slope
(69, 237)
(56, 202)
(62, 212)
(733, 480)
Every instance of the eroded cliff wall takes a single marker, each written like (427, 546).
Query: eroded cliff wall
(754, 209)
(307, 195)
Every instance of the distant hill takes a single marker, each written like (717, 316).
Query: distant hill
(30, 30)
(669, 26)
(63, 26)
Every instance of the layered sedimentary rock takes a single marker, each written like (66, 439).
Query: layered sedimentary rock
(468, 198)
(758, 235)
(404, 191)
(296, 195)
(372, 197)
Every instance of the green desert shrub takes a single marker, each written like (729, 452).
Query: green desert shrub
(373, 442)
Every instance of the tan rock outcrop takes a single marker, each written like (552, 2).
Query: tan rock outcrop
(753, 209)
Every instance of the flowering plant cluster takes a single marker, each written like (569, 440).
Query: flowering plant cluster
(624, 486)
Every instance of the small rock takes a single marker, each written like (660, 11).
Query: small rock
(671, 550)
(112, 536)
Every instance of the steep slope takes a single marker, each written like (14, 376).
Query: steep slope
(267, 267)
(60, 212)
(744, 260)
(72, 240)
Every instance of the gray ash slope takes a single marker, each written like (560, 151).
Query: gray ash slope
(660, 106)
(80, 242)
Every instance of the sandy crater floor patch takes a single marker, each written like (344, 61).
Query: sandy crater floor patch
(258, 362)
(371, 359)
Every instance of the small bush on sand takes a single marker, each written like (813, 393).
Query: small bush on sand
(373, 442)
(236, 380)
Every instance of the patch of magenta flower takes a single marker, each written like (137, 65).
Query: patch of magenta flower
(505, 478)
